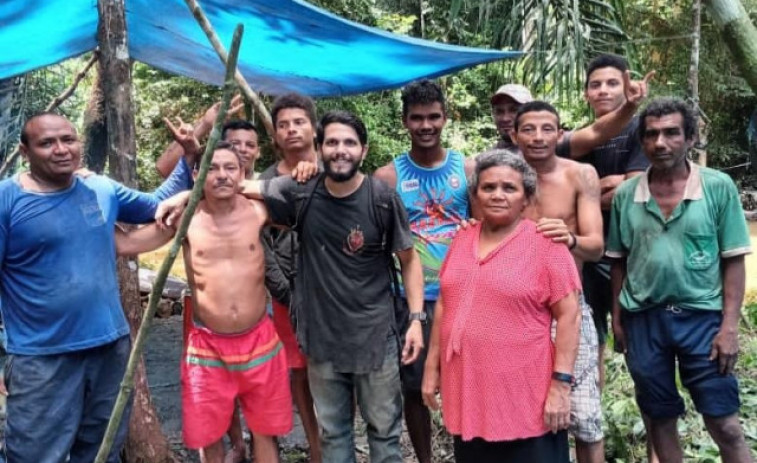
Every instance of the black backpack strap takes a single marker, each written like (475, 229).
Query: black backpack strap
(381, 197)
(303, 201)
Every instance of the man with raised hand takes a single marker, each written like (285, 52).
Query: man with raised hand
(678, 240)
(619, 159)
(68, 338)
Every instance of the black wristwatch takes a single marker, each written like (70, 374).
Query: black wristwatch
(420, 316)
(563, 377)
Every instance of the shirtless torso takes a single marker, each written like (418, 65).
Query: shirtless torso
(567, 204)
(225, 264)
(569, 192)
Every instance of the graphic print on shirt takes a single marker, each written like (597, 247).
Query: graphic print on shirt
(354, 242)
(436, 201)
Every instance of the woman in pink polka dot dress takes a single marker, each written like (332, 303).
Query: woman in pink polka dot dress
(505, 386)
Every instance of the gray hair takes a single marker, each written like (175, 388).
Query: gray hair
(506, 158)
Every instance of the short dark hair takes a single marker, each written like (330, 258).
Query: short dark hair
(607, 60)
(225, 145)
(664, 106)
(293, 100)
(342, 117)
(24, 130)
(422, 92)
(534, 106)
(237, 124)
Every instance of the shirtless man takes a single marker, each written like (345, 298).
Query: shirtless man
(567, 209)
(233, 351)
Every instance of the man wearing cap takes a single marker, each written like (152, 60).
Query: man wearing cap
(510, 97)
(505, 104)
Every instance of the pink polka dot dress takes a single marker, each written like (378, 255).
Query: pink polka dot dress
(495, 346)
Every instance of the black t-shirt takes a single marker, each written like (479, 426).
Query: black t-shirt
(343, 302)
(621, 155)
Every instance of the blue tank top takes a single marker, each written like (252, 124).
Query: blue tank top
(436, 200)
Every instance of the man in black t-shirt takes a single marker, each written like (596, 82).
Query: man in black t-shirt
(616, 160)
(349, 225)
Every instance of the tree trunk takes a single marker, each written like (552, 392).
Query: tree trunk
(146, 442)
(701, 145)
(740, 35)
(95, 130)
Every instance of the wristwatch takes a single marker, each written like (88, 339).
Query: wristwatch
(563, 377)
(420, 316)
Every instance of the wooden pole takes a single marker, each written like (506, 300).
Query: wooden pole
(248, 92)
(160, 280)
(57, 101)
(145, 440)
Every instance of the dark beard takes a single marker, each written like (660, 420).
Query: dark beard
(340, 177)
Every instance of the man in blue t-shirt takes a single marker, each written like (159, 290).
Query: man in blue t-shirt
(68, 338)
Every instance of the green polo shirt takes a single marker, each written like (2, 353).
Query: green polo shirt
(678, 260)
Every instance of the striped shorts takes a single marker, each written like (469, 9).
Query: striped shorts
(217, 369)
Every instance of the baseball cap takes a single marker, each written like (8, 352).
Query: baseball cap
(517, 92)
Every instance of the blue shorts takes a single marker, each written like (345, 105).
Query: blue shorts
(659, 336)
(59, 405)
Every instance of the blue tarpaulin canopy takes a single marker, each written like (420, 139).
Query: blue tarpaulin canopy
(288, 45)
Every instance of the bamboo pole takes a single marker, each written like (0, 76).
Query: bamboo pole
(160, 280)
(50, 106)
(248, 92)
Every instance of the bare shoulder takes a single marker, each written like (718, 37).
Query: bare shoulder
(587, 179)
(469, 166)
(256, 206)
(388, 174)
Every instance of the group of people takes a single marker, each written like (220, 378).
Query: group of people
(509, 263)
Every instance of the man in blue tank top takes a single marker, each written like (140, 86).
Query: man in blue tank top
(431, 181)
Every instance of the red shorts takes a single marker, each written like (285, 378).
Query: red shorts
(218, 368)
(295, 357)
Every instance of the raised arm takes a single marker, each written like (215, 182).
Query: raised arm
(584, 140)
(140, 240)
(200, 129)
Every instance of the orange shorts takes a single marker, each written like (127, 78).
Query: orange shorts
(295, 357)
(219, 368)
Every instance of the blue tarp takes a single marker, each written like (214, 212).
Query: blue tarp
(288, 45)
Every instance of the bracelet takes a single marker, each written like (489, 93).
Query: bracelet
(575, 241)
(563, 377)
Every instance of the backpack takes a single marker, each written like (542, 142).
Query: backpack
(381, 203)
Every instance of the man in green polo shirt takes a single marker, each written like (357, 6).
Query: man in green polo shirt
(678, 239)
